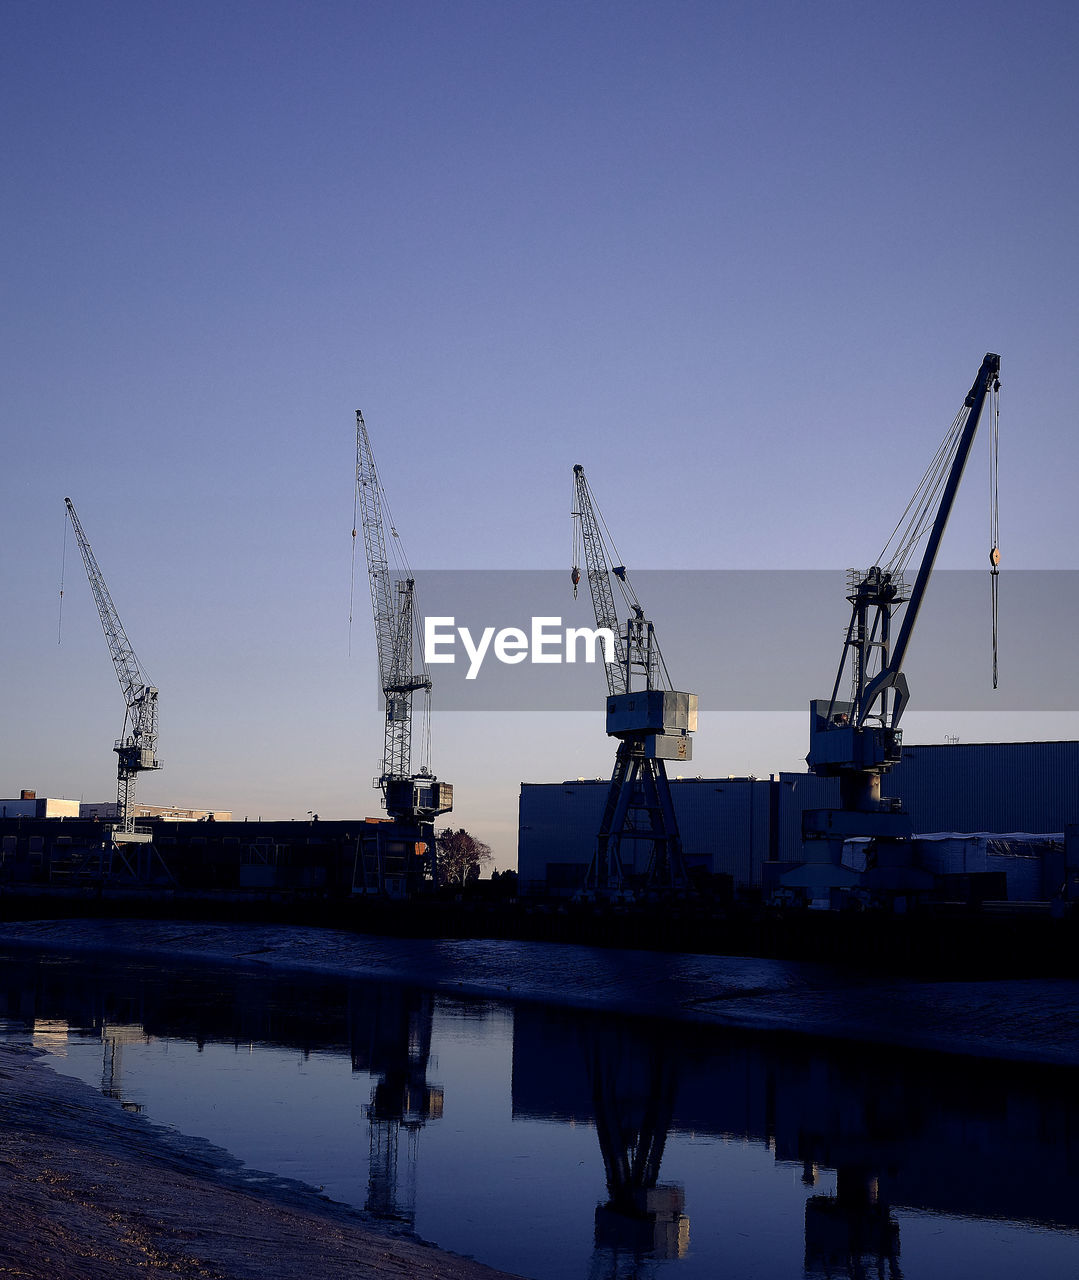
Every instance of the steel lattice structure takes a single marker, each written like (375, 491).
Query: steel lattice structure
(649, 729)
(136, 749)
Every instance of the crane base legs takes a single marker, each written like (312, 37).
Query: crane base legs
(639, 809)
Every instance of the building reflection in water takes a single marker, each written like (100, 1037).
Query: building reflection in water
(938, 1134)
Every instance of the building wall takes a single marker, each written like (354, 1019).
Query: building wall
(724, 823)
(988, 786)
(39, 807)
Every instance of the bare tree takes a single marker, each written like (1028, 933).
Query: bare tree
(460, 856)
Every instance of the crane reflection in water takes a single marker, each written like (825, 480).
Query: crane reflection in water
(390, 1035)
(633, 1093)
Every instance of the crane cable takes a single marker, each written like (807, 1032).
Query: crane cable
(994, 517)
(925, 501)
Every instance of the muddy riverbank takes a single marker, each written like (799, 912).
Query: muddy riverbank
(92, 1191)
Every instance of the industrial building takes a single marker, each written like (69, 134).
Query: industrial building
(1005, 807)
(31, 805)
(326, 858)
(109, 811)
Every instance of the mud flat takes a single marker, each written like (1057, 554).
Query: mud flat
(1020, 1020)
(92, 1191)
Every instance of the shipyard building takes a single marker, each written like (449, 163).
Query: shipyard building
(978, 809)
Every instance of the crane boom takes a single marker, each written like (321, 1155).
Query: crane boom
(876, 660)
(137, 749)
(967, 425)
(415, 798)
(598, 570)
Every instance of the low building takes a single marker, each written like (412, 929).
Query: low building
(31, 805)
(108, 811)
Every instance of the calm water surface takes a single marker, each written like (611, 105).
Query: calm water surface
(565, 1145)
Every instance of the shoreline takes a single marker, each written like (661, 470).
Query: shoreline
(91, 1191)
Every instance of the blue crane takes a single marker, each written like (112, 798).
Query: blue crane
(856, 738)
(651, 720)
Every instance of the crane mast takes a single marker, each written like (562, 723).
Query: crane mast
(413, 799)
(857, 739)
(651, 721)
(136, 749)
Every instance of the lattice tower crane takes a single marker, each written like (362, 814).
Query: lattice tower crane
(136, 750)
(413, 799)
(857, 739)
(651, 721)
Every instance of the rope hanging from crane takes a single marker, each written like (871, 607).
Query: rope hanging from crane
(994, 516)
(63, 570)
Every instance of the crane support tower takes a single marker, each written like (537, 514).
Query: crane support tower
(651, 721)
(136, 749)
(413, 800)
(857, 738)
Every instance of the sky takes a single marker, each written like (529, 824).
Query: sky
(741, 261)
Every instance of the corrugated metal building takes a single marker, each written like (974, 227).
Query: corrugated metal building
(988, 786)
(725, 824)
(733, 826)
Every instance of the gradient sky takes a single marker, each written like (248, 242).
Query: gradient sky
(742, 261)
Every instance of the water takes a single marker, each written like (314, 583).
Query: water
(567, 1144)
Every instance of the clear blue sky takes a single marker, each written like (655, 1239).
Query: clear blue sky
(740, 260)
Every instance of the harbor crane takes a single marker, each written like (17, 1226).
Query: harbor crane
(651, 721)
(136, 749)
(413, 800)
(857, 738)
